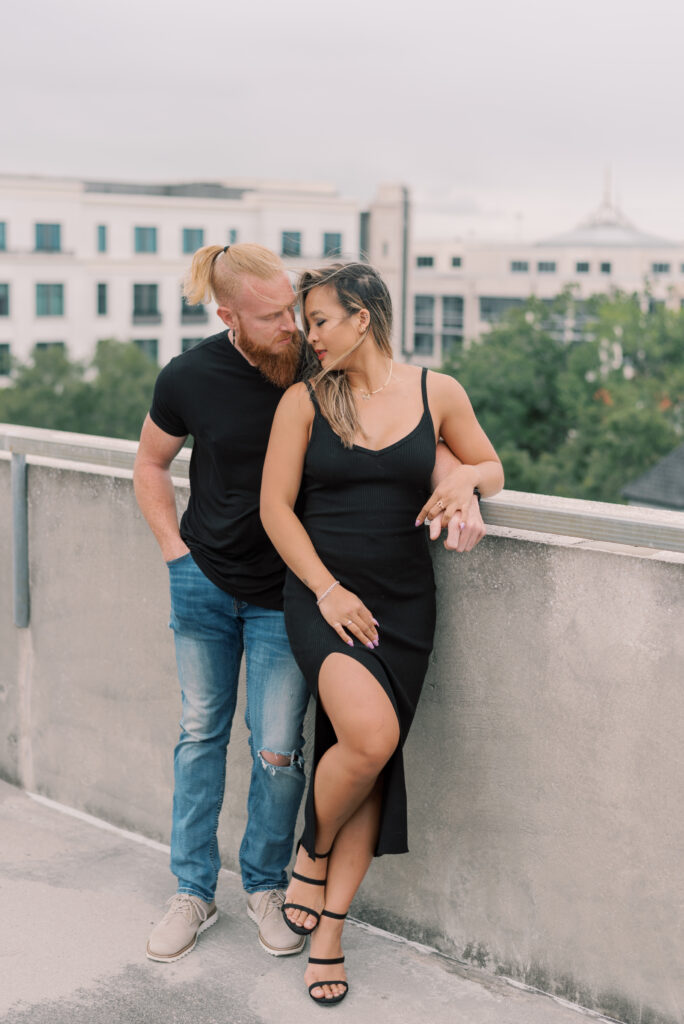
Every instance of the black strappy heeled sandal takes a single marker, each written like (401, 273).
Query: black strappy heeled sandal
(298, 906)
(321, 1000)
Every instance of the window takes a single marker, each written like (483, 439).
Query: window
(660, 268)
(196, 314)
(452, 312)
(145, 304)
(3, 236)
(145, 239)
(5, 359)
(456, 261)
(424, 310)
(581, 268)
(187, 343)
(49, 300)
(605, 268)
(332, 243)
(102, 300)
(492, 309)
(102, 238)
(425, 261)
(4, 300)
(546, 267)
(48, 237)
(364, 235)
(519, 266)
(423, 344)
(291, 243)
(452, 346)
(49, 346)
(193, 239)
(150, 346)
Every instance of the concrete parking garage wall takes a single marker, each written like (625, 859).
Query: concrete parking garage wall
(545, 767)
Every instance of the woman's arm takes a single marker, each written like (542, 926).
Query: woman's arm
(281, 480)
(458, 426)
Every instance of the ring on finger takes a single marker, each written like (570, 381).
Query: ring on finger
(461, 526)
(348, 622)
(440, 504)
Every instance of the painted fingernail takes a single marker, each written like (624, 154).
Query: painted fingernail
(417, 522)
(376, 643)
(350, 643)
(375, 622)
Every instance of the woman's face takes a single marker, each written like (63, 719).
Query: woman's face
(331, 331)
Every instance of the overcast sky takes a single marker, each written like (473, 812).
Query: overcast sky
(500, 115)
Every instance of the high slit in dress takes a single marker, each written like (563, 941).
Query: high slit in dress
(359, 508)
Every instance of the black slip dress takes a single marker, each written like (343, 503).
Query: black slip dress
(359, 508)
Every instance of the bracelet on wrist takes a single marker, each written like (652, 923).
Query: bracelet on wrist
(325, 593)
(476, 492)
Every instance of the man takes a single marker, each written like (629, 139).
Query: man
(226, 591)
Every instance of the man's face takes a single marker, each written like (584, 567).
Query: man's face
(264, 329)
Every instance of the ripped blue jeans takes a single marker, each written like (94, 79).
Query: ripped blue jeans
(211, 631)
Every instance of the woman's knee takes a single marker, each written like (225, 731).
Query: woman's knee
(372, 748)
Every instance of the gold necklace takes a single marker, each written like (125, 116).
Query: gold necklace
(367, 394)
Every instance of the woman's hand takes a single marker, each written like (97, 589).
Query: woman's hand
(453, 505)
(345, 611)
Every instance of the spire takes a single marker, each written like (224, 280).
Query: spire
(607, 187)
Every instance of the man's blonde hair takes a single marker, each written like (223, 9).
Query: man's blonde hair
(216, 272)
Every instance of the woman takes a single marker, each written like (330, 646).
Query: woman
(359, 595)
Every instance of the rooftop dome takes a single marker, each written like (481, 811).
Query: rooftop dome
(607, 227)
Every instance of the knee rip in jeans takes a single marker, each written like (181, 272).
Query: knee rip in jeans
(274, 760)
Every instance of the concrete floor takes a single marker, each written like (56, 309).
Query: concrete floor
(78, 901)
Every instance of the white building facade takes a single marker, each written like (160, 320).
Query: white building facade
(458, 289)
(81, 261)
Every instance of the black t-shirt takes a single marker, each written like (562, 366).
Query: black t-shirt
(212, 393)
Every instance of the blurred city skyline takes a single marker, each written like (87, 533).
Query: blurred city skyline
(502, 119)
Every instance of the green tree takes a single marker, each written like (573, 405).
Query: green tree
(49, 392)
(512, 377)
(110, 396)
(580, 418)
(120, 390)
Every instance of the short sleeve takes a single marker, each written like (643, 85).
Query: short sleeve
(165, 411)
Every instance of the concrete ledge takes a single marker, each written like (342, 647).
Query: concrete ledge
(595, 520)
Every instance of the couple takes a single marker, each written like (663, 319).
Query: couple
(359, 595)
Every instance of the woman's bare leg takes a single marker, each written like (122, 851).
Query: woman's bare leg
(367, 731)
(354, 848)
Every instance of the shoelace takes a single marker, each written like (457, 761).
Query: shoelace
(275, 900)
(187, 905)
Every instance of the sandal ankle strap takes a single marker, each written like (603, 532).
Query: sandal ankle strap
(329, 913)
(334, 960)
(321, 855)
(309, 881)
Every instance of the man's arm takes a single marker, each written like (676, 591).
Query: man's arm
(457, 539)
(154, 487)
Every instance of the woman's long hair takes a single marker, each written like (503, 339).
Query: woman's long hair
(358, 286)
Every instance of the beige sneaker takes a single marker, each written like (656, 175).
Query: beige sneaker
(265, 908)
(176, 933)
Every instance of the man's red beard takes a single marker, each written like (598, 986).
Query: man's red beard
(280, 369)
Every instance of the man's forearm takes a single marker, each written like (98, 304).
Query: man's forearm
(157, 501)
